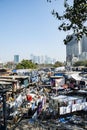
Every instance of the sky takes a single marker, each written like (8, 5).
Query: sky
(28, 27)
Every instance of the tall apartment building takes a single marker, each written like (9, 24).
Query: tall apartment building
(76, 50)
(16, 59)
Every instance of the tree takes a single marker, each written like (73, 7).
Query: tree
(9, 65)
(26, 64)
(80, 63)
(58, 64)
(74, 18)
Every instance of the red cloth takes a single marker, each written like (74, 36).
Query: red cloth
(29, 97)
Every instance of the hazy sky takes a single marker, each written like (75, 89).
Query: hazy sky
(28, 27)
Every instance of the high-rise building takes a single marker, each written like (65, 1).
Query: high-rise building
(16, 59)
(42, 59)
(84, 44)
(76, 50)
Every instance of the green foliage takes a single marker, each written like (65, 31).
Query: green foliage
(26, 64)
(58, 64)
(80, 63)
(74, 18)
(9, 65)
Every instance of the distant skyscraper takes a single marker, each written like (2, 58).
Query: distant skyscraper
(16, 59)
(76, 50)
(42, 59)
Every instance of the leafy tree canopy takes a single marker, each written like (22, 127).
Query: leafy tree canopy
(73, 19)
(26, 64)
(58, 64)
(80, 63)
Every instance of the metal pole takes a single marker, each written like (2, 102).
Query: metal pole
(4, 111)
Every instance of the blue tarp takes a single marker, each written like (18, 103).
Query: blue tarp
(14, 71)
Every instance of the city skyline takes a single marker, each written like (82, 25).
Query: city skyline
(40, 59)
(28, 27)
